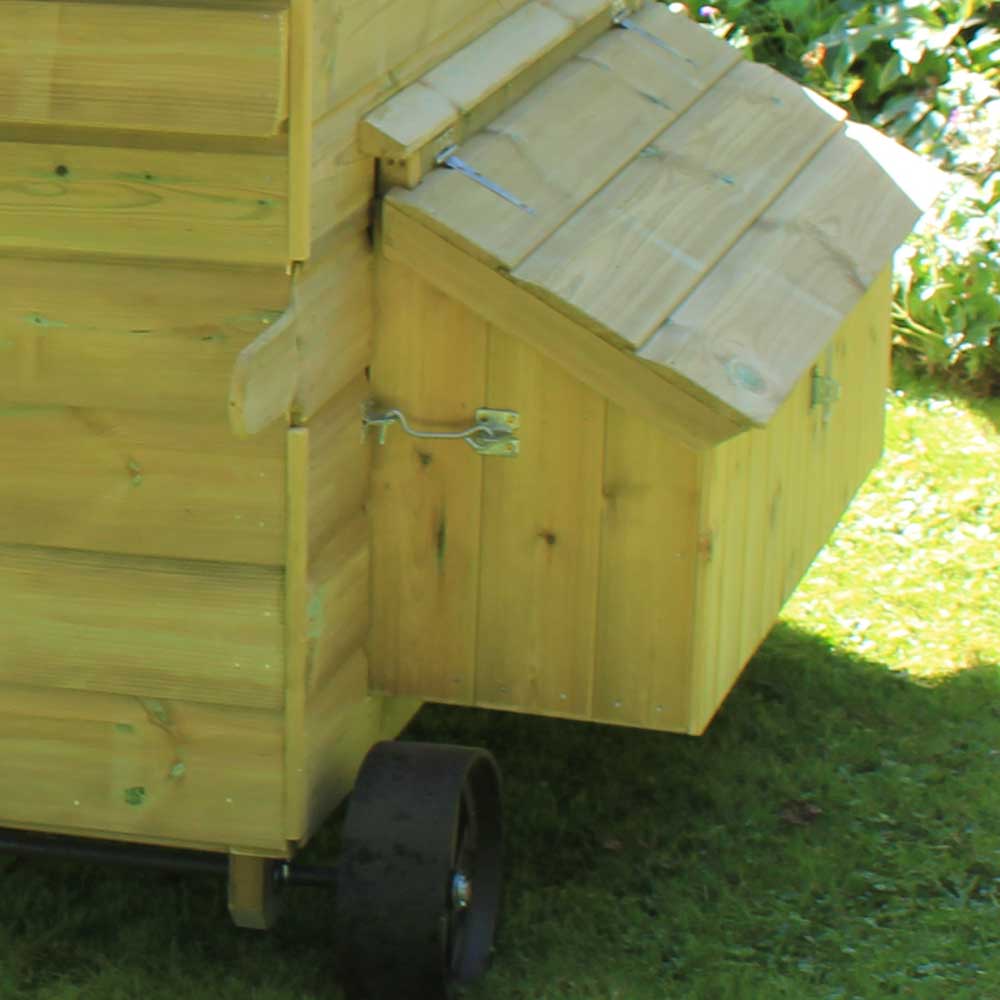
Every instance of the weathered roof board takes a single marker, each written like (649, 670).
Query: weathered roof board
(709, 218)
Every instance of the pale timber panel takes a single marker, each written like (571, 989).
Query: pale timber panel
(625, 261)
(127, 336)
(649, 558)
(591, 360)
(562, 143)
(358, 43)
(141, 483)
(816, 250)
(131, 202)
(140, 768)
(541, 523)
(132, 66)
(774, 496)
(152, 628)
(430, 362)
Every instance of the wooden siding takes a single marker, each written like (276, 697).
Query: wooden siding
(771, 498)
(131, 66)
(141, 484)
(151, 628)
(125, 335)
(136, 768)
(559, 582)
(136, 202)
(610, 572)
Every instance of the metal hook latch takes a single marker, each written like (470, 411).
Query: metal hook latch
(494, 432)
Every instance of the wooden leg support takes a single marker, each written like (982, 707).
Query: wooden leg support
(253, 892)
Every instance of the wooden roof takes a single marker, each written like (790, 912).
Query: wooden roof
(708, 220)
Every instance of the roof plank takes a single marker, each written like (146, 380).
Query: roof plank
(558, 147)
(763, 315)
(633, 252)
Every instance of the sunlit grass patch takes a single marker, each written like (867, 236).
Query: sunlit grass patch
(911, 576)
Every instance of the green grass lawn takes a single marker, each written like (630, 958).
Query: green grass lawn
(835, 835)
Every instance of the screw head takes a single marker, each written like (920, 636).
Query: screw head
(461, 891)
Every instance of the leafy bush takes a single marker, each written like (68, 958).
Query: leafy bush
(927, 73)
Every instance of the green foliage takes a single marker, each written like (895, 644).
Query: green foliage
(928, 73)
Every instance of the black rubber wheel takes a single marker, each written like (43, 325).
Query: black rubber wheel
(420, 872)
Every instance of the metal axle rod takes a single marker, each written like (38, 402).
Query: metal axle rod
(103, 852)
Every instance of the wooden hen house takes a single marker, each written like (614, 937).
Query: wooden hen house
(228, 230)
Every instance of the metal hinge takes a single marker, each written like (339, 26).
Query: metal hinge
(494, 432)
(825, 392)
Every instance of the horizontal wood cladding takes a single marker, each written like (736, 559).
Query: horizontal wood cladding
(135, 202)
(140, 768)
(140, 483)
(122, 335)
(151, 628)
(143, 66)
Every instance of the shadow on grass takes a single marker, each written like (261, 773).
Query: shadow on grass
(830, 800)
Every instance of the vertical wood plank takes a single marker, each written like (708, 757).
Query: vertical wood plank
(735, 591)
(757, 541)
(649, 553)
(540, 543)
(430, 362)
